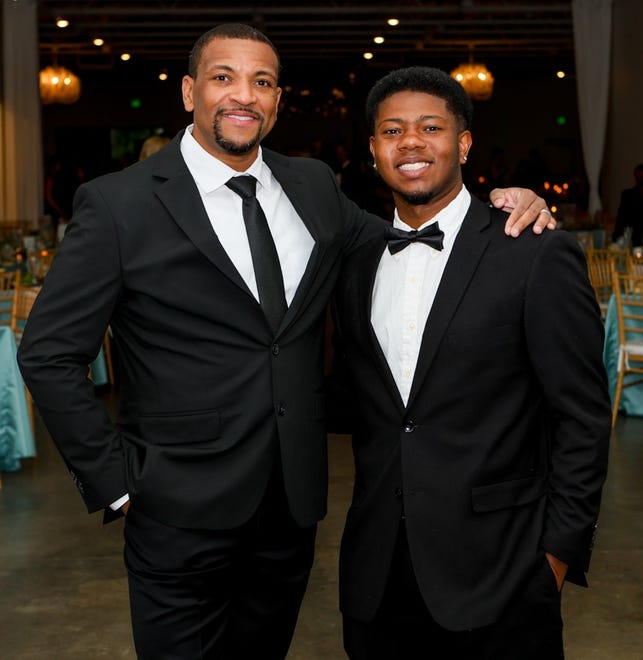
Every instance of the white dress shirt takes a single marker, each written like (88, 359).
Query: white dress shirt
(404, 290)
(293, 241)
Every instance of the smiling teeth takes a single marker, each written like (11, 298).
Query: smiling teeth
(413, 166)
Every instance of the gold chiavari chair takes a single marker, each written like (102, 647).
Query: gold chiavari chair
(635, 264)
(7, 280)
(23, 300)
(620, 259)
(599, 268)
(585, 240)
(628, 295)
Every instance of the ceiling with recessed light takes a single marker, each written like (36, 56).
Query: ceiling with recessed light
(315, 36)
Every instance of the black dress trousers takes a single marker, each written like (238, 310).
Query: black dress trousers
(218, 594)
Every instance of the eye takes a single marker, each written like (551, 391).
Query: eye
(432, 129)
(264, 83)
(391, 131)
(220, 77)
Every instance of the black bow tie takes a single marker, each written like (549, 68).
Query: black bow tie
(398, 239)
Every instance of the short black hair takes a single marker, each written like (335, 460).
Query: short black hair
(421, 79)
(227, 31)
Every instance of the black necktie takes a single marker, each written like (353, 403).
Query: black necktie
(265, 261)
(398, 239)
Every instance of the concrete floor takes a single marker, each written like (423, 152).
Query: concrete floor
(63, 593)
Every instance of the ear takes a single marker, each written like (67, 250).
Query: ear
(277, 99)
(371, 145)
(187, 85)
(464, 144)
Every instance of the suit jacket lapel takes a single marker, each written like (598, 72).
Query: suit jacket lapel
(294, 187)
(181, 198)
(367, 264)
(468, 249)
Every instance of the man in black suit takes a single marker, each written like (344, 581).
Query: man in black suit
(218, 454)
(482, 417)
(630, 210)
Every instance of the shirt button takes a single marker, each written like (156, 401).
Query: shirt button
(275, 349)
(412, 326)
(281, 411)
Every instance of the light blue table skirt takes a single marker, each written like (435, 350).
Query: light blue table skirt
(98, 366)
(631, 397)
(16, 436)
(99, 369)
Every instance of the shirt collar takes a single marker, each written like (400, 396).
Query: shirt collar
(210, 173)
(450, 217)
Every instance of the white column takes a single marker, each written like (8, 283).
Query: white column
(21, 178)
(592, 42)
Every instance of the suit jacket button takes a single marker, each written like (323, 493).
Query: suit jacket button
(275, 349)
(281, 411)
(397, 492)
(409, 427)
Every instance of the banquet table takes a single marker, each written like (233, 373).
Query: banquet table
(631, 397)
(16, 435)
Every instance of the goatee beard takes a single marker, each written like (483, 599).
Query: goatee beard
(234, 147)
(418, 198)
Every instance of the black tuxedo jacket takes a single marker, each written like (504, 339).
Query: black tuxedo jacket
(501, 452)
(205, 386)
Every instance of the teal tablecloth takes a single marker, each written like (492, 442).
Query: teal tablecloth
(16, 436)
(99, 369)
(98, 366)
(5, 311)
(631, 397)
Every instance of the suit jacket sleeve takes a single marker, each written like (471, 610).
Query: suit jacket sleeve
(565, 339)
(63, 336)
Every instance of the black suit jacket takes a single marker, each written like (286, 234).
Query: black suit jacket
(501, 452)
(205, 386)
(630, 214)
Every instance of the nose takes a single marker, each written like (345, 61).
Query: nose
(244, 92)
(411, 140)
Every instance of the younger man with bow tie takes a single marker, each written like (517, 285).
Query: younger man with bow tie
(482, 417)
